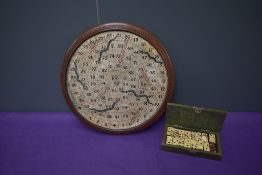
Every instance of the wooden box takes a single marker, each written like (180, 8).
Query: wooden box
(193, 130)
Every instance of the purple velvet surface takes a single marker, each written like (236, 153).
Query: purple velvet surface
(58, 143)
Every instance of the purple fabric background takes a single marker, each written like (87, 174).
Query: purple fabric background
(58, 143)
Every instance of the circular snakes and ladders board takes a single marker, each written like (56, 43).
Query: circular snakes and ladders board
(117, 77)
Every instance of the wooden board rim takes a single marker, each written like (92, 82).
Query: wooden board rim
(127, 28)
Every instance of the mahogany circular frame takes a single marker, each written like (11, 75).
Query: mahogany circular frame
(131, 29)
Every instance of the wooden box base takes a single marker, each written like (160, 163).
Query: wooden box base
(216, 155)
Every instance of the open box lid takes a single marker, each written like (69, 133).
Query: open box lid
(195, 117)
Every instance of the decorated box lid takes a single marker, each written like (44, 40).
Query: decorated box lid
(198, 118)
